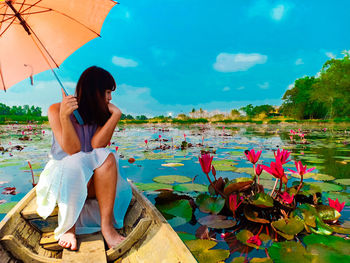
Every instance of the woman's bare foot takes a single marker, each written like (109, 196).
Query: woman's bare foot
(112, 237)
(68, 239)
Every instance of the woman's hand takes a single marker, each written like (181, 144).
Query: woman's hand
(68, 105)
(114, 109)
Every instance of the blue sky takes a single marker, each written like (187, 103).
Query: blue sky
(175, 55)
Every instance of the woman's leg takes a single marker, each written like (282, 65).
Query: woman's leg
(105, 181)
(68, 239)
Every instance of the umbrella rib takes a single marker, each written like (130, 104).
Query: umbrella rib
(13, 20)
(43, 47)
(2, 79)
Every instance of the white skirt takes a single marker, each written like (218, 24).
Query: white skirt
(64, 182)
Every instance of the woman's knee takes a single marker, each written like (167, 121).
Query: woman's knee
(109, 163)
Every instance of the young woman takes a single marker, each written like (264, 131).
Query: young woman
(82, 176)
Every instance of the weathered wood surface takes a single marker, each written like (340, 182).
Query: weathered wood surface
(29, 212)
(91, 248)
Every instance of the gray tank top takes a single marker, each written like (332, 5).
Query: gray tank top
(85, 133)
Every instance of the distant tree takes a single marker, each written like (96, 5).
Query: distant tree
(248, 110)
(129, 117)
(4, 109)
(234, 113)
(333, 87)
(193, 110)
(142, 117)
(266, 109)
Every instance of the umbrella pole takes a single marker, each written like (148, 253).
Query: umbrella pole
(76, 113)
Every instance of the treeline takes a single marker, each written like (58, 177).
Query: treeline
(325, 96)
(26, 110)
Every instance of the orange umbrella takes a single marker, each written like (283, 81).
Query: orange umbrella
(37, 35)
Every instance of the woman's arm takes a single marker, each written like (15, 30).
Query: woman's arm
(104, 134)
(61, 124)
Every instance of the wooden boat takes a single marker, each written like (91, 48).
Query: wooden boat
(25, 237)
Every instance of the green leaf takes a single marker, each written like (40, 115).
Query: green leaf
(217, 221)
(153, 186)
(6, 207)
(208, 204)
(262, 200)
(170, 179)
(327, 213)
(180, 208)
(200, 249)
(327, 187)
(186, 236)
(343, 181)
(172, 164)
(190, 188)
(224, 165)
(291, 226)
(288, 252)
(339, 244)
(252, 214)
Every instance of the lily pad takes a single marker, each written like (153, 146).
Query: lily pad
(327, 213)
(236, 185)
(190, 188)
(253, 215)
(153, 186)
(224, 165)
(217, 221)
(208, 204)
(200, 248)
(186, 236)
(327, 187)
(287, 252)
(180, 208)
(290, 227)
(339, 244)
(342, 181)
(262, 200)
(172, 164)
(35, 166)
(6, 207)
(170, 179)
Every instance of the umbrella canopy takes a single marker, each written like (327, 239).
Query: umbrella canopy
(36, 35)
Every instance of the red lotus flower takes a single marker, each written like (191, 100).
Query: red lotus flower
(258, 169)
(205, 161)
(160, 136)
(255, 240)
(301, 170)
(146, 141)
(288, 199)
(116, 148)
(336, 205)
(276, 169)
(282, 155)
(292, 132)
(252, 156)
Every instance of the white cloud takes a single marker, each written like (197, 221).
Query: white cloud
(241, 88)
(227, 88)
(265, 85)
(269, 9)
(278, 12)
(330, 55)
(299, 61)
(124, 62)
(226, 62)
(163, 56)
(42, 94)
(291, 86)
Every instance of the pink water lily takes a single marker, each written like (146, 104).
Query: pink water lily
(292, 132)
(336, 205)
(252, 156)
(258, 169)
(301, 170)
(282, 155)
(205, 161)
(276, 169)
(287, 198)
(255, 240)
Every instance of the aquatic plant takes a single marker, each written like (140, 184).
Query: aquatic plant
(261, 219)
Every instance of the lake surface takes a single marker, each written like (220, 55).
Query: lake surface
(327, 148)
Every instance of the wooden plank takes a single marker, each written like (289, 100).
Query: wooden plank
(161, 244)
(91, 248)
(23, 253)
(29, 212)
(49, 242)
(45, 226)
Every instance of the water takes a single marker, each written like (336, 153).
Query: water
(326, 150)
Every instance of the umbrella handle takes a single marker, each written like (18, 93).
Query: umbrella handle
(78, 117)
(75, 112)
